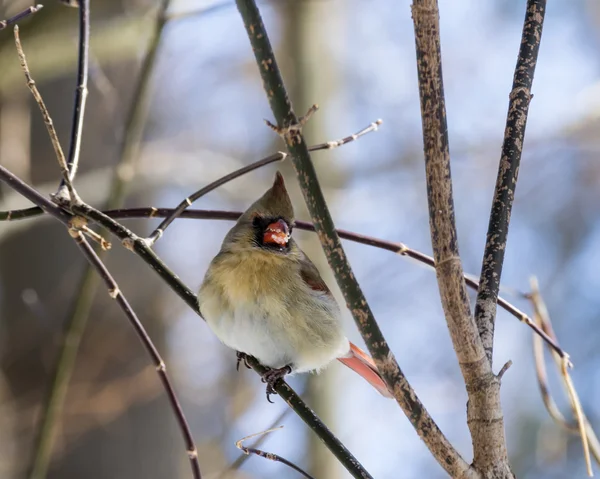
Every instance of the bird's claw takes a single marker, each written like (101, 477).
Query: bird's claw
(241, 357)
(271, 377)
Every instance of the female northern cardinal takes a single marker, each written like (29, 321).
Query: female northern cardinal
(262, 296)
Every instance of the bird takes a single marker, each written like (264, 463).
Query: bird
(263, 297)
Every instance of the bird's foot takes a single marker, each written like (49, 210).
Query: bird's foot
(241, 357)
(272, 376)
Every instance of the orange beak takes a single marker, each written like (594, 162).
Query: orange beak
(277, 233)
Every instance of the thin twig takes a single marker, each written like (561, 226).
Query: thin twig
(34, 196)
(589, 439)
(115, 293)
(20, 16)
(60, 156)
(446, 455)
(542, 378)
(279, 156)
(84, 245)
(508, 171)
(578, 412)
(235, 465)
(484, 412)
(268, 455)
(91, 234)
(81, 94)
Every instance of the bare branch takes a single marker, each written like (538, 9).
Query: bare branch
(508, 171)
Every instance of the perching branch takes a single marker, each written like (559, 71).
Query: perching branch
(268, 455)
(508, 171)
(289, 127)
(20, 16)
(352, 465)
(484, 413)
(279, 156)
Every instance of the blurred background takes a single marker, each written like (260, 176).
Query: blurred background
(203, 117)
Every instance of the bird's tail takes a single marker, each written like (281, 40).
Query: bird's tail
(362, 364)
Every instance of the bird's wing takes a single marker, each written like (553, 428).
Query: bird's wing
(311, 276)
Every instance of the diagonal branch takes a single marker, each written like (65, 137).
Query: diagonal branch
(20, 16)
(289, 126)
(161, 369)
(352, 465)
(508, 171)
(484, 412)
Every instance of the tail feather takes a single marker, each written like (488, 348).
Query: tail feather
(362, 364)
